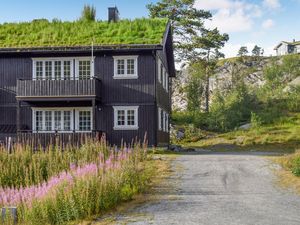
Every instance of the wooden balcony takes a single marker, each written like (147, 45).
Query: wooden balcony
(58, 90)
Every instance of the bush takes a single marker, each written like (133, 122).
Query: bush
(231, 111)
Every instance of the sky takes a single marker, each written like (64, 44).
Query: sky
(248, 22)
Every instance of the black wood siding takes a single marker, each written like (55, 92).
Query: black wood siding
(142, 92)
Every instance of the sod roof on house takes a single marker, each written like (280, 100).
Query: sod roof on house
(41, 33)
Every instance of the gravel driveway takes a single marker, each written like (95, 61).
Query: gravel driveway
(220, 189)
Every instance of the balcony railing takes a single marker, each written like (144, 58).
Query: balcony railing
(74, 139)
(63, 89)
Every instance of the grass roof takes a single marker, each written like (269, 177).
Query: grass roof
(42, 33)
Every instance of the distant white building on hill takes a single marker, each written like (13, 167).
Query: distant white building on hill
(285, 48)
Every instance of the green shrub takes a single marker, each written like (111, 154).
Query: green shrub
(255, 120)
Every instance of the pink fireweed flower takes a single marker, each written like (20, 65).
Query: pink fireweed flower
(27, 195)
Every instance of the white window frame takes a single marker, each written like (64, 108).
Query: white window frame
(125, 75)
(126, 126)
(159, 63)
(73, 127)
(159, 119)
(77, 110)
(77, 60)
(74, 62)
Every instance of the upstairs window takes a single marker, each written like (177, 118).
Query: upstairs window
(84, 69)
(125, 117)
(63, 68)
(125, 67)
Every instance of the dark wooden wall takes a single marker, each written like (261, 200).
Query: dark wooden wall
(11, 69)
(136, 92)
(163, 99)
(128, 92)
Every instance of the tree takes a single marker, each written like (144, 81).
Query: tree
(192, 41)
(88, 13)
(187, 23)
(195, 88)
(243, 51)
(256, 51)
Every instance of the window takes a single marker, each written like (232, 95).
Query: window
(85, 120)
(67, 120)
(125, 67)
(84, 69)
(39, 70)
(57, 70)
(48, 120)
(162, 74)
(159, 119)
(63, 68)
(67, 70)
(57, 120)
(48, 70)
(163, 120)
(38, 120)
(125, 117)
(62, 120)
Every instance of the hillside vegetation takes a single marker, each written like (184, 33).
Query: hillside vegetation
(271, 108)
(42, 33)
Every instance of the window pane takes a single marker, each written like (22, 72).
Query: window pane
(57, 120)
(67, 70)
(85, 120)
(48, 70)
(67, 120)
(130, 66)
(120, 66)
(39, 70)
(39, 120)
(48, 120)
(121, 117)
(84, 69)
(131, 117)
(161, 72)
(57, 70)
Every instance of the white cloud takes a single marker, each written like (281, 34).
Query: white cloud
(272, 4)
(230, 15)
(268, 23)
(213, 4)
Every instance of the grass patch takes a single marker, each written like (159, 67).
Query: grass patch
(283, 135)
(289, 175)
(158, 169)
(42, 33)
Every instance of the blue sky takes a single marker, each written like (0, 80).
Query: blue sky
(261, 22)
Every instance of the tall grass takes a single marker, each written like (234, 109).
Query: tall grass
(82, 183)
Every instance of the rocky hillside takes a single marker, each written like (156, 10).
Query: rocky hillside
(250, 68)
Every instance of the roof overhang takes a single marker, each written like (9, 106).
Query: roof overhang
(79, 49)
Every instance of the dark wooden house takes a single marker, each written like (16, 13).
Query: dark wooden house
(121, 89)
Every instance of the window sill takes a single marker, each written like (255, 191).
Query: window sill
(126, 128)
(119, 77)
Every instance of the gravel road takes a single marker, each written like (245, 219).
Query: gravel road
(220, 189)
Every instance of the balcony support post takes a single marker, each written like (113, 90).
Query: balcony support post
(18, 116)
(94, 111)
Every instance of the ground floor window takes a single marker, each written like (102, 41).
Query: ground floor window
(125, 117)
(62, 120)
(163, 120)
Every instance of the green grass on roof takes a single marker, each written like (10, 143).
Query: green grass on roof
(41, 33)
